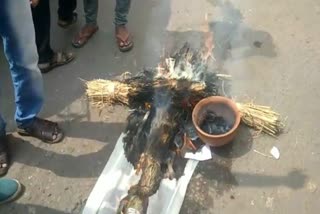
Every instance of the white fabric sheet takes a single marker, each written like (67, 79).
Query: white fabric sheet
(118, 175)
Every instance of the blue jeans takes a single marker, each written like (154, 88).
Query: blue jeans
(17, 32)
(121, 11)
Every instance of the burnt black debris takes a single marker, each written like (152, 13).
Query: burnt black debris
(214, 124)
(191, 131)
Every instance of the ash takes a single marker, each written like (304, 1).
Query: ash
(215, 125)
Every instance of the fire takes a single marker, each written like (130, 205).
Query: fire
(147, 106)
(160, 70)
(208, 40)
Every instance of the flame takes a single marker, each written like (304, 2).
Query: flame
(147, 106)
(161, 71)
(208, 40)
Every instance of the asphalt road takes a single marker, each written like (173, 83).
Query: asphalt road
(271, 49)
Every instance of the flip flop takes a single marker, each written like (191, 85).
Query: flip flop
(84, 35)
(124, 44)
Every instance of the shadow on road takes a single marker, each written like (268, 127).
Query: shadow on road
(16, 208)
(65, 165)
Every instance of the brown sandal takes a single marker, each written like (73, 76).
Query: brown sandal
(125, 43)
(84, 35)
(4, 156)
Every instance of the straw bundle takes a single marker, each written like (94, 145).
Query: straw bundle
(261, 118)
(102, 91)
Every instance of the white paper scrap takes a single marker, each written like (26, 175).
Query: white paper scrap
(202, 154)
(275, 152)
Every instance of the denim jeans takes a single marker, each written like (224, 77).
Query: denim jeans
(121, 11)
(91, 11)
(17, 32)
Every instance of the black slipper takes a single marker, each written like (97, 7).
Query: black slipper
(59, 59)
(68, 23)
(45, 130)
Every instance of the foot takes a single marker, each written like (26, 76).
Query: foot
(59, 59)
(123, 38)
(68, 23)
(4, 159)
(84, 35)
(45, 130)
(10, 189)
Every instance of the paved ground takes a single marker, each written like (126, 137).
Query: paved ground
(272, 50)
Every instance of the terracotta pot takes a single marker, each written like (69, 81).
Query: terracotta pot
(223, 107)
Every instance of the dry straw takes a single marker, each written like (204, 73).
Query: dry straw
(261, 118)
(101, 92)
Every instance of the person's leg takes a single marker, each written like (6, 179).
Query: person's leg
(48, 59)
(91, 11)
(121, 12)
(42, 22)
(10, 190)
(17, 32)
(66, 13)
(120, 21)
(91, 27)
(2, 127)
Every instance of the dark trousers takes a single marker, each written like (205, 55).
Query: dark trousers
(66, 8)
(42, 21)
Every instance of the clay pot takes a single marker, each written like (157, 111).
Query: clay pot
(223, 107)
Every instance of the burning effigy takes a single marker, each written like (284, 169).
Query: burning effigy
(160, 128)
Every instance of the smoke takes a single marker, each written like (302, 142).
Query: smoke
(235, 42)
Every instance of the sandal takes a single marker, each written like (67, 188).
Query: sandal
(123, 37)
(59, 59)
(67, 23)
(45, 130)
(4, 156)
(84, 35)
